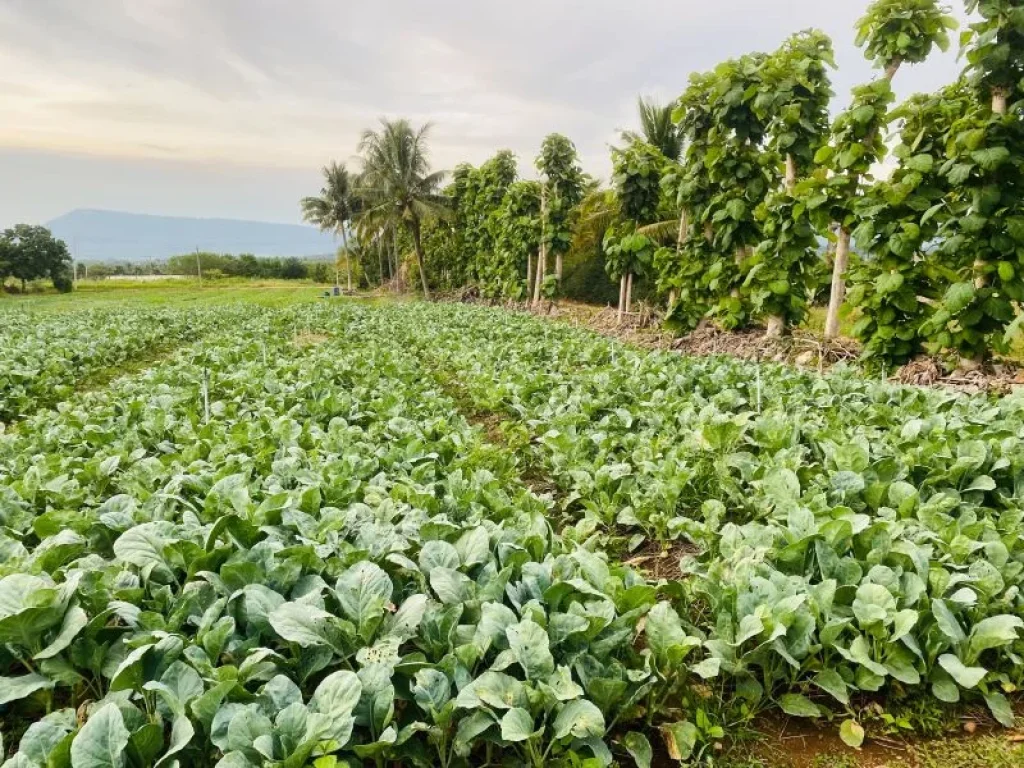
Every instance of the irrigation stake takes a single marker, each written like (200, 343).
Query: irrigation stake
(206, 395)
(759, 388)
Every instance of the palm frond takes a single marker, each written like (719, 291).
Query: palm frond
(664, 232)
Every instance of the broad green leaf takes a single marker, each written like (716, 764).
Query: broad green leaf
(852, 733)
(450, 586)
(405, 622)
(947, 622)
(15, 688)
(832, 682)
(639, 748)
(798, 705)
(335, 698)
(300, 623)
(966, 677)
(74, 622)
(579, 718)
(363, 591)
(493, 689)
(1001, 709)
(994, 632)
(516, 725)
(529, 642)
(102, 740)
(431, 690)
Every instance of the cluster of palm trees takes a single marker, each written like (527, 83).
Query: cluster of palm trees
(394, 189)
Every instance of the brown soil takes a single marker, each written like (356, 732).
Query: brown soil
(309, 339)
(658, 563)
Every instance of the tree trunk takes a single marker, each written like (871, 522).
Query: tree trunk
(790, 174)
(980, 265)
(684, 229)
(776, 326)
(414, 231)
(629, 293)
(558, 267)
(542, 269)
(529, 274)
(542, 257)
(672, 296)
(622, 296)
(396, 267)
(380, 260)
(738, 257)
(348, 257)
(835, 301)
(709, 233)
(892, 68)
(999, 101)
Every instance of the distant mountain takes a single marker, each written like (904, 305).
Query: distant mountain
(115, 236)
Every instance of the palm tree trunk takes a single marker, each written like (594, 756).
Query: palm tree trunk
(838, 285)
(414, 230)
(395, 272)
(629, 293)
(380, 260)
(529, 274)
(348, 256)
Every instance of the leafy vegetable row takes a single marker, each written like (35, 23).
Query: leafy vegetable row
(264, 553)
(43, 356)
(853, 536)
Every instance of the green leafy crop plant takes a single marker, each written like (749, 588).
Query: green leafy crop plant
(853, 536)
(266, 551)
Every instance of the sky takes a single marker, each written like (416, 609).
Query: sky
(228, 108)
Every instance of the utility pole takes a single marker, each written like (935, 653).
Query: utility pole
(199, 268)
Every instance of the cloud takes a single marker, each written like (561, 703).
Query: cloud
(276, 84)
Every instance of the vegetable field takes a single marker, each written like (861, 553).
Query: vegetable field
(330, 535)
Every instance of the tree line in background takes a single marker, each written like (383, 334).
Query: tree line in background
(30, 253)
(742, 203)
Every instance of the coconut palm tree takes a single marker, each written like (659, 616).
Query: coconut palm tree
(396, 183)
(334, 207)
(657, 128)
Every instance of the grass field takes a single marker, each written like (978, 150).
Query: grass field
(241, 525)
(169, 293)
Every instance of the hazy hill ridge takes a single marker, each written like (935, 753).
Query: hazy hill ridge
(118, 236)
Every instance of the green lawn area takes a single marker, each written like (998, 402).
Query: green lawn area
(169, 293)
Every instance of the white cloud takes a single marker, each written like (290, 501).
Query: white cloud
(274, 84)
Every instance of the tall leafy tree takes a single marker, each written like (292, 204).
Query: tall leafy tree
(397, 181)
(726, 175)
(29, 252)
(983, 237)
(562, 190)
(793, 101)
(332, 210)
(637, 171)
(893, 33)
(515, 229)
(900, 282)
